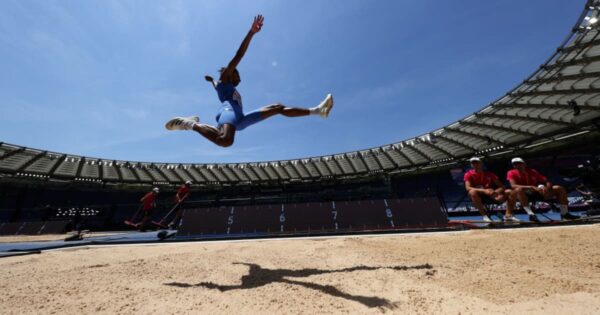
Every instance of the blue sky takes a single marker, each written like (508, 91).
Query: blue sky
(100, 78)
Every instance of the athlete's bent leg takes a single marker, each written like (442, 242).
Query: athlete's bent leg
(223, 136)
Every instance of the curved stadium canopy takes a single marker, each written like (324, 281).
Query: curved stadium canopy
(561, 99)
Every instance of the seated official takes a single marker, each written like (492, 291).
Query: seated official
(529, 185)
(484, 187)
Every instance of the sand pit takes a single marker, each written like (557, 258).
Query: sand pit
(543, 271)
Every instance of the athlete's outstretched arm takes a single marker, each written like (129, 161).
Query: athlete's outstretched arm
(255, 28)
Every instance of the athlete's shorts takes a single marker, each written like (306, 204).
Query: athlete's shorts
(234, 115)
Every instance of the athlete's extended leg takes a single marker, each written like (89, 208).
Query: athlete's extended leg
(263, 113)
(223, 136)
(322, 109)
(272, 110)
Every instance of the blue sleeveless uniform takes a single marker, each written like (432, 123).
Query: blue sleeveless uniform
(232, 112)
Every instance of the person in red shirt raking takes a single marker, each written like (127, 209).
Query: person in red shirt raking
(530, 185)
(182, 193)
(148, 203)
(480, 186)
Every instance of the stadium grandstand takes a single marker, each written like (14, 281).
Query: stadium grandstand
(552, 118)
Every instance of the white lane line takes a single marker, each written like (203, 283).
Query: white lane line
(322, 237)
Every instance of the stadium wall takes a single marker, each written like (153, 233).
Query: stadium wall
(102, 208)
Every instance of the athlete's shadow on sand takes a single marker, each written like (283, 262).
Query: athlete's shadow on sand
(259, 276)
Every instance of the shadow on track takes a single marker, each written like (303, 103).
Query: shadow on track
(259, 276)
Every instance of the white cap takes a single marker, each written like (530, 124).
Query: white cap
(155, 189)
(474, 159)
(517, 160)
(188, 182)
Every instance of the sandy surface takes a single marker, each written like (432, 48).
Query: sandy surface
(535, 271)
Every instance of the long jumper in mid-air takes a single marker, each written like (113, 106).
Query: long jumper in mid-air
(231, 117)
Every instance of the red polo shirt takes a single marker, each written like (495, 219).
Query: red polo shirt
(148, 200)
(530, 177)
(484, 179)
(182, 191)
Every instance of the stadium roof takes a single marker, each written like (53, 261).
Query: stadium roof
(560, 100)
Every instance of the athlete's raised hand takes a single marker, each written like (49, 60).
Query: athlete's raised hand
(227, 74)
(211, 80)
(257, 24)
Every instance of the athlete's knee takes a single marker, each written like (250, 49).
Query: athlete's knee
(277, 107)
(225, 141)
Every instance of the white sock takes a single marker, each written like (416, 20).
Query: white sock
(563, 209)
(528, 210)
